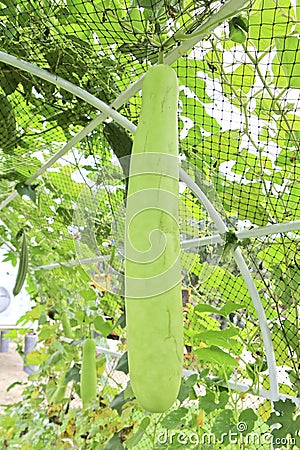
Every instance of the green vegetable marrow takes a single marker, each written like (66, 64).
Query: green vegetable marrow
(67, 329)
(23, 267)
(88, 380)
(152, 267)
(60, 391)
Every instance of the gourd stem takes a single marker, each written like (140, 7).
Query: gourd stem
(161, 57)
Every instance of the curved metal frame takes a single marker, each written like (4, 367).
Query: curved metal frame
(268, 230)
(110, 111)
(265, 331)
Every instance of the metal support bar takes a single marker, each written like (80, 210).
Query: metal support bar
(191, 243)
(108, 110)
(233, 384)
(77, 138)
(268, 230)
(170, 58)
(265, 331)
(70, 87)
(75, 262)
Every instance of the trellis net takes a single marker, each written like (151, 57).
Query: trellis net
(239, 128)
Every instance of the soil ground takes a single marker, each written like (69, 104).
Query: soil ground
(11, 370)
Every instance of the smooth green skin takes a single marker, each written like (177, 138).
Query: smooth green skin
(155, 323)
(59, 393)
(88, 380)
(67, 329)
(23, 267)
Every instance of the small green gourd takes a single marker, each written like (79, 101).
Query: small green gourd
(88, 379)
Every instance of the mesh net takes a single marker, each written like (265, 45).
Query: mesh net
(239, 130)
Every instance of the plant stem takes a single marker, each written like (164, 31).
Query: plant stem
(161, 56)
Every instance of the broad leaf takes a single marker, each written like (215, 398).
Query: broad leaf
(215, 356)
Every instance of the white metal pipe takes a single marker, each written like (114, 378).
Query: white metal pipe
(233, 384)
(23, 65)
(8, 199)
(268, 230)
(77, 138)
(75, 262)
(70, 87)
(265, 331)
(243, 234)
(171, 57)
(263, 323)
(196, 242)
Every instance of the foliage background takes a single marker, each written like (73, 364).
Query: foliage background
(239, 124)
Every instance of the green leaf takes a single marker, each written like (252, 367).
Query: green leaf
(209, 404)
(54, 358)
(187, 387)
(202, 120)
(122, 364)
(118, 402)
(7, 125)
(121, 321)
(288, 53)
(26, 190)
(249, 418)
(269, 19)
(298, 10)
(62, 179)
(219, 337)
(230, 307)
(151, 4)
(9, 79)
(223, 282)
(279, 78)
(88, 294)
(284, 417)
(191, 70)
(104, 327)
(237, 32)
(223, 425)
(215, 356)
(135, 439)
(221, 147)
(73, 374)
(175, 418)
(128, 391)
(273, 255)
(282, 349)
(203, 307)
(249, 201)
(295, 380)
(45, 332)
(224, 311)
(243, 78)
(291, 331)
(114, 443)
(36, 357)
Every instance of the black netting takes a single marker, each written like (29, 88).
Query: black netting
(239, 129)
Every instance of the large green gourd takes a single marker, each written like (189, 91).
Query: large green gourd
(152, 266)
